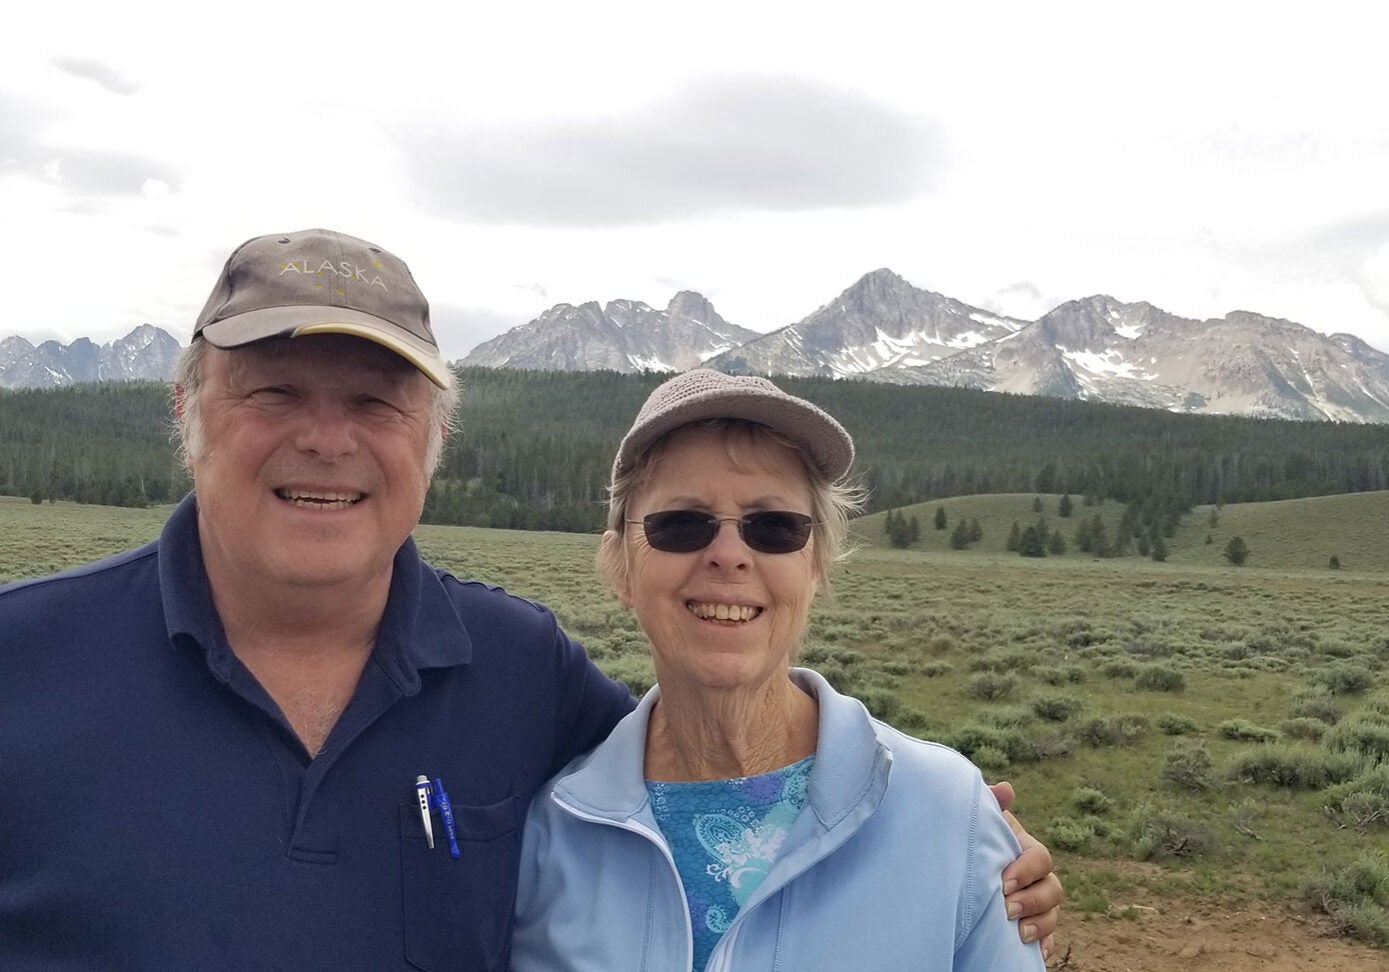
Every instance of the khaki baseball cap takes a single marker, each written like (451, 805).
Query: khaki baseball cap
(318, 281)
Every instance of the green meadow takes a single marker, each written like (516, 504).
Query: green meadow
(1228, 723)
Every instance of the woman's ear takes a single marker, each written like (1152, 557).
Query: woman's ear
(615, 567)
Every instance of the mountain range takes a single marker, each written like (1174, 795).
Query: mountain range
(883, 328)
(146, 353)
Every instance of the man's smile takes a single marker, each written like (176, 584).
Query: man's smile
(319, 499)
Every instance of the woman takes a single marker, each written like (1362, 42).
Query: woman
(746, 816)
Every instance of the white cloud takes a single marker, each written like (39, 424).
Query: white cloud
(723, 144)
(1013, 155)
(98, 72)
(1374, 278)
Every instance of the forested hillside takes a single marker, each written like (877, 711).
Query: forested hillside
(102, 443)
(533, 448)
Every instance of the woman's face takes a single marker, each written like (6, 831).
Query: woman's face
(726, 616)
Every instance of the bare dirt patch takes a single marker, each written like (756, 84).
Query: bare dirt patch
(1193, 936)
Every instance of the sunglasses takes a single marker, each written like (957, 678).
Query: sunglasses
(767, 531)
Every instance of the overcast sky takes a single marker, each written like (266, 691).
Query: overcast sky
(1205, 157)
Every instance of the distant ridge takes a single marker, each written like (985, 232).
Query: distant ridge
(536, 447)
(145, 354)
(883, 328)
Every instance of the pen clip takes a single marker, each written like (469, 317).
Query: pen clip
(422, 795)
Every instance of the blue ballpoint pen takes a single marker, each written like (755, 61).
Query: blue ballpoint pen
(441, 798)
(422, 791)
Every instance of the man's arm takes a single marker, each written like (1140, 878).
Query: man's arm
(1031, 889)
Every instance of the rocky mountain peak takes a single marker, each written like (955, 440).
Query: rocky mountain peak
(146, 353)
(691, 303)
(882, 289)
(623, 335)
(880, 281)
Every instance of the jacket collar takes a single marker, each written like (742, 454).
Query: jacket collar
(850, 773)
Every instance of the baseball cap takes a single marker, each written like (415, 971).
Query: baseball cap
(318, 281)
(705, 394)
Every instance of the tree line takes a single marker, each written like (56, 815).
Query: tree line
(533, 450)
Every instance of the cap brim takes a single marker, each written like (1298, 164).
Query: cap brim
(824, 439)
(269, 322)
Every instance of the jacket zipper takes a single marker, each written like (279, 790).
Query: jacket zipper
(642, 830)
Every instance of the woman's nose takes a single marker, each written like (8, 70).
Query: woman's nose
(728, 550)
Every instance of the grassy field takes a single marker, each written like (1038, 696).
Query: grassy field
(1231, 724)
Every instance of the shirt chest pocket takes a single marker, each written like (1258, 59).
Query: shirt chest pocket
(458, 912)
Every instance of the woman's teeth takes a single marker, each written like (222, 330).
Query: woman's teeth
(722, 612)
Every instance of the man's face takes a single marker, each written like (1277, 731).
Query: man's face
(312, 466)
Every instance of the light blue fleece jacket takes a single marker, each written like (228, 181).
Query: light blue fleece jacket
(895, 863)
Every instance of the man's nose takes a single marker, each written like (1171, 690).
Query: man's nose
(327, 430)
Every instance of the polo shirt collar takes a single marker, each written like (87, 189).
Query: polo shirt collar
(421, 628)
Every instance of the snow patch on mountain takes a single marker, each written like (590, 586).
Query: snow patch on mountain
(1107, 363)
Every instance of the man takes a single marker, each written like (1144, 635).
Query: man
(230, 748)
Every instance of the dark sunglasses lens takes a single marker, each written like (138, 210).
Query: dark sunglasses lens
(776, 531)
(679, 531)
(684, 531)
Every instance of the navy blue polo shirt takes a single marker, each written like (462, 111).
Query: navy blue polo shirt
(157, 811)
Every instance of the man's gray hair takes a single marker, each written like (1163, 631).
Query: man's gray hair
(188, 424)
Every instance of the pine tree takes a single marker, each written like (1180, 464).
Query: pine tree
(1099, 538)
(1014, 537)
(888, 523)
(1237, 551)
(976, 532)
(1056, 544)
(1063, 508)
(1037, 505)
(901, 535)
(1159, 552)
(1128, 522)
(1085, 541)
(1119, 547)
(940, 517)
(959, 537)
(1031, 544)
